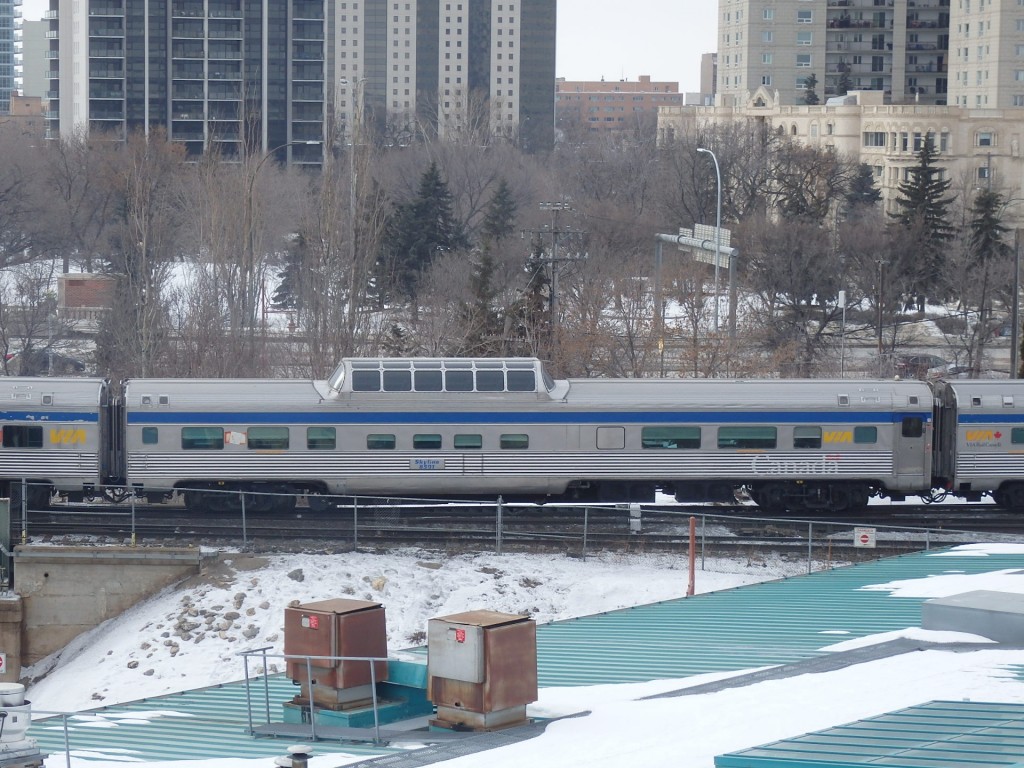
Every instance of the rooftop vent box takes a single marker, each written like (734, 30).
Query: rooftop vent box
(336, 628)
(482, 668)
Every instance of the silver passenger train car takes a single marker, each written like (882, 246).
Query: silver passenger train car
(56, 434)
(479, 428)
(979, 446)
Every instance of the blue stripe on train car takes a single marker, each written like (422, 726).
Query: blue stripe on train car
(63, 416)
(524, 417)
(990, 418)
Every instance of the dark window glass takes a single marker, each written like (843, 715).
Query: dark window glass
(807, 437)
(397, 381)
(458, 381)
(320, 438)
(467, 442)
(429, 381)
(865, 434)
(1017, 435)
(366, 381)
(515, 442)
(522, 381)
(670, 437)
(267, 438)
(747, 437)
(202, 438)
(490, 381)
(913, 426)
(16, 436)
(380, 442)
(426, 442)
(150, 435)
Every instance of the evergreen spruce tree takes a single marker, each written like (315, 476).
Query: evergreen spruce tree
(922, 206)
(486, 323)
(500, 218)
(419, 229)
(844, 85)
(286, 295)
(862, 189)
(811, 93)
(987, 229)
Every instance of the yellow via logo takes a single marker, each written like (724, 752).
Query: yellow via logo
(838, 437)
(67, 436)
(978, 435)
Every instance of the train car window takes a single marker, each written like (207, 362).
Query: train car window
(458, 381)
(17, 436)
(807, 437)
(426, 442)
(670, 437)
(366, 381)
(380, 442)
(490, 381)
(428, 381)
(321, 439)
(1017, 435)
(747, 437)
(514, 442)
(267, 438)
(865, 435)
(469, 442)
(522, 381)
(397, 381)
(150, 435)
(202, 438)
(913, 426)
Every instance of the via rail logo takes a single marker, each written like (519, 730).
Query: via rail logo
(984, 438)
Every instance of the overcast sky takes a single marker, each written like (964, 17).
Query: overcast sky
(616, 39)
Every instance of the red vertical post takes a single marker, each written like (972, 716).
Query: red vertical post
(693, 556)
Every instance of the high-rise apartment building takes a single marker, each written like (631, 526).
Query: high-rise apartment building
(248, 75)
(899, 47)
(33, 58)
(987, 54)
(10, 26)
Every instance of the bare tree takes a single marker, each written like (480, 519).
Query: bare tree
(143, 172)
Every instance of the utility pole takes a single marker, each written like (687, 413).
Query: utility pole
(552, 258)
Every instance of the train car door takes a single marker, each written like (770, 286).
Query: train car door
(913, 451)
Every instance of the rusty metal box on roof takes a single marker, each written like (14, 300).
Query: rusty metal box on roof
(336, 628)
(482, 668)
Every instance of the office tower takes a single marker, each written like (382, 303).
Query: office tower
(10, 25)
(33, 58)
(241, 76)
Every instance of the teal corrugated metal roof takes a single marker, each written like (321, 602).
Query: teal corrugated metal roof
(940, 734)
(200, 724)
(759, 625)
(765, 624)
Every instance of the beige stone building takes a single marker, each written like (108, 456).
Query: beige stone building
(978, 148)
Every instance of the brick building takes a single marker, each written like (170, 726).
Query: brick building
(585, 107)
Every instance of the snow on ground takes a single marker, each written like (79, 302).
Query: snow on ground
(188, 635)
(616, 728)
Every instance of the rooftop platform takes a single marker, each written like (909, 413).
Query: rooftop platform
(774, 623)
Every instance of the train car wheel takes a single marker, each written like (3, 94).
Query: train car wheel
(1011, 497)
(772, 497)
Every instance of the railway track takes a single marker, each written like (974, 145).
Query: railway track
(520, 527)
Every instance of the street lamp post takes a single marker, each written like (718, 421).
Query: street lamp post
(718, 224)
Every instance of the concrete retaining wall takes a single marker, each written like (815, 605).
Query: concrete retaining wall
(64, 591)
